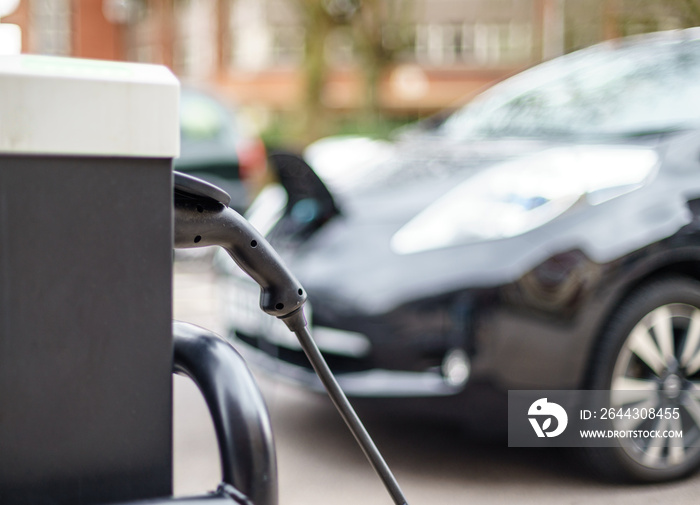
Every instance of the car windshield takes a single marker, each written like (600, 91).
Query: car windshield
(202, 118)
(605, 90)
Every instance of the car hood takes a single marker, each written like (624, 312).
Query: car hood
(336, 257)
(392, 182)
(377, 179)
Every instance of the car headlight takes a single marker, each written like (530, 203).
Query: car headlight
(518, 196)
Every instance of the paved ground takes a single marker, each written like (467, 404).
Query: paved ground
(319, 463)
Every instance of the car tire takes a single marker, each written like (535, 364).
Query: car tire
(652, 342)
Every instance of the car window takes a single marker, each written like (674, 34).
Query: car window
(604, 90)
(202, 118)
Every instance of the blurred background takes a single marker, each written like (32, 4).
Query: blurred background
(280, 74)
(298, 70)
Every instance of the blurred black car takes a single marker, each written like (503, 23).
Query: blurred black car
(545, 236)
(217, 146)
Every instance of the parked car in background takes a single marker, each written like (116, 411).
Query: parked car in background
(217, 146)
(544, 236)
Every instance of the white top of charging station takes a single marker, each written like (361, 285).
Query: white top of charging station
(52, 105)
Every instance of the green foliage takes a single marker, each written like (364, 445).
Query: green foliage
(366, 21)
(644, 16)
(284, 131)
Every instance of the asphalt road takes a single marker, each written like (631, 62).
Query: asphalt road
(319, 463)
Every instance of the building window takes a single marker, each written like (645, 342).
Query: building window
(473, 43)
(195, 45)
(51, 27)
(287, 45)
(502, 43)
(265, 34)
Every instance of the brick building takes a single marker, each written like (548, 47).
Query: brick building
(254, 49)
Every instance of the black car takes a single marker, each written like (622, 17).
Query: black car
(544, 236)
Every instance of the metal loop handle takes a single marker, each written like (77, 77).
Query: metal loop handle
(237, 408)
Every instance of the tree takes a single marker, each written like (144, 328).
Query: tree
(318, 24)
(376, 49)
(639, 16)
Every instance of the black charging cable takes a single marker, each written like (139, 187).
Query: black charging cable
(202, 218)
(296, 322)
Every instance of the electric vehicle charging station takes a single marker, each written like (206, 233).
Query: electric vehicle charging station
(89, 213)
(86, 150)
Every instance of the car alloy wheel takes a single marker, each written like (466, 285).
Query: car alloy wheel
(649, 359)
(660, 361)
